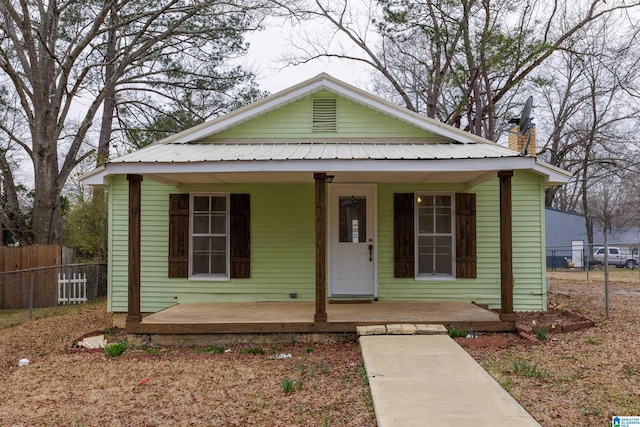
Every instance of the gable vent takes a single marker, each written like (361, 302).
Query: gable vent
(325, 115)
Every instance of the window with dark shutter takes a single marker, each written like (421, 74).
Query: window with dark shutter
(209, 236)
(466, 257)
(179, 235)
(403, 235)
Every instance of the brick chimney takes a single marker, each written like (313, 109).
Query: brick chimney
(517, 142)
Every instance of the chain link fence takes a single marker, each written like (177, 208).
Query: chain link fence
(585, 257)
(45, 289)
(597, 263)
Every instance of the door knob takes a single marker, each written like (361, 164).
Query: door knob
(370, 252)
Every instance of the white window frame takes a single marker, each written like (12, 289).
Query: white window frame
(429, 276)
(217, 276)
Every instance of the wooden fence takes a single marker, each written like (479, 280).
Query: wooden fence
(15, 287)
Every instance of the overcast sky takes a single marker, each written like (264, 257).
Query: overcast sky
(268, 45)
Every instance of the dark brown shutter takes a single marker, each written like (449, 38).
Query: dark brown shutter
(403, 236)
(240, 236)
(178, 235)
(466, 259)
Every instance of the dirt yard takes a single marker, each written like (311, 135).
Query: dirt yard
(580, 378)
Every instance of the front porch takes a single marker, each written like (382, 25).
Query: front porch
(318, 315)
(298, 317)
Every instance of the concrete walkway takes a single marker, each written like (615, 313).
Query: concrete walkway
(429, 380)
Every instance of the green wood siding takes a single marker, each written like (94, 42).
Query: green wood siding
(528, 247)
(283, 247)
(295, 121)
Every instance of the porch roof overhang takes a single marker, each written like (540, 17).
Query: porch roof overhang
(279, 162)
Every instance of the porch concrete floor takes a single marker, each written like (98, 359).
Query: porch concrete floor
(378, 312)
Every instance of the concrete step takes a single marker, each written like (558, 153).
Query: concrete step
(401, 329)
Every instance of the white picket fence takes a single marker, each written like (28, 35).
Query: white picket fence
(75, 285)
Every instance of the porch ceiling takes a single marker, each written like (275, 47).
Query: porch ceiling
(466, 177)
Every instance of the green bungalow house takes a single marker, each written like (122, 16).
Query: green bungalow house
(321, 194)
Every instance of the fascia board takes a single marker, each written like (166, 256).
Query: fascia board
(553, 176)
(426, 166)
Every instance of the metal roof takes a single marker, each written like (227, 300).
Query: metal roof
(282, 151)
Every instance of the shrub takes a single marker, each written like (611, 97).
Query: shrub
(456, 333)
(116, 349)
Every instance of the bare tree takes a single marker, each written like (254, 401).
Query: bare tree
(470, 55)
(53, 57)
(588, 102)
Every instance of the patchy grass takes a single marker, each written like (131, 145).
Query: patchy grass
(580, 378)
(522, 367)
(12, 317)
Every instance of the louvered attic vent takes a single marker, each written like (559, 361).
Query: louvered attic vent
(325, 115)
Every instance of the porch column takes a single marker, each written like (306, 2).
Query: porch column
(506, 248)
(135, 185)
(321, 248)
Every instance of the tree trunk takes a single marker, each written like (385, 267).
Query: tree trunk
(47, 215)
(109, 106)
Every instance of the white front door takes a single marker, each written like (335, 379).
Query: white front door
(352, 240)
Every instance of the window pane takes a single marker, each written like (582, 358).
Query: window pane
(442, 242)
(442, 200)
(425, 201)
(200, 244)
(209, 240)
(425, 264)
(425, 223)
(219, 244)
(218, 223)
(201, 223)
(219, 204)
(200, 204)
(352, 214)
(435, 234)
(200, 264)
(444, 264)
(425, 244)
(218, 263)
(443, 223)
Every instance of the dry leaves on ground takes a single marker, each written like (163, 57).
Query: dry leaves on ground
(182, 386)
(581, 378)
